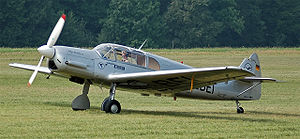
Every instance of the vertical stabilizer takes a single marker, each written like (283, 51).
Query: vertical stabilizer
(253, 88)
(252, 64)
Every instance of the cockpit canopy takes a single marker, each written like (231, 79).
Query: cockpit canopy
(128, 55)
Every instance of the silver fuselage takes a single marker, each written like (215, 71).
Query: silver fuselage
(89, 64)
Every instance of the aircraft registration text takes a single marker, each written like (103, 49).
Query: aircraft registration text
(208, 89)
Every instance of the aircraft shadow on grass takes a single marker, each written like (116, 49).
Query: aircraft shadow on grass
(59, 104)
(275, 114)
(198, 114)
(209, 115)
(201, 115)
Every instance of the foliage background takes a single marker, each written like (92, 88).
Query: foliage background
(164, 23)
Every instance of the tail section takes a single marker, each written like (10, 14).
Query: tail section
(250, 89)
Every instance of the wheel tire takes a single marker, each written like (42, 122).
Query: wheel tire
(113, 106)
(240, 110)
(104, 103)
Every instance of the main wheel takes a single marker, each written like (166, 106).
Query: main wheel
(112, 106)
(240, 110)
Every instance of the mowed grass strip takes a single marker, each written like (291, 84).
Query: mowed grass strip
(43, 111)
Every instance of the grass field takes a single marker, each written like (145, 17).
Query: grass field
(43, 111)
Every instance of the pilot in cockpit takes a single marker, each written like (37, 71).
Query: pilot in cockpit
(124, 56)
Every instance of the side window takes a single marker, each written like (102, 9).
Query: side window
(140, 60)
(124, 56)
(130, 57)
(119, 55)
(137, 59)
(153, 64)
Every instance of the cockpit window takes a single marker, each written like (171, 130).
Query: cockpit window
(103, 50)
(130, 57)
(153, 64)
(106, 52)
(121, 53)
(140, 60)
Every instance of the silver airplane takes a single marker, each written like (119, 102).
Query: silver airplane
(127, 68)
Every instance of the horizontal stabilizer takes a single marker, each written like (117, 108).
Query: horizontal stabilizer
(259, 79)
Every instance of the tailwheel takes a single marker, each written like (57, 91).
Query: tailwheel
(238, 108)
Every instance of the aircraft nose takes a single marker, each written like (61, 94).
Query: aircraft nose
(46, 51)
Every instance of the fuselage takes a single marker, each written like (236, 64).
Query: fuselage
(106, 59)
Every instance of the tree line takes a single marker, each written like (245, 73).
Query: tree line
(164, 23)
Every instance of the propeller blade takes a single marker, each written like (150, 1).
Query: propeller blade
(35, 72)
(56, 31)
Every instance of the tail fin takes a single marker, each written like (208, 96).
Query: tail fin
(253, 88)
(252, 64)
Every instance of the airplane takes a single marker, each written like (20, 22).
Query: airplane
(113, 65)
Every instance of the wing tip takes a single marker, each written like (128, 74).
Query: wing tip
(12, 64)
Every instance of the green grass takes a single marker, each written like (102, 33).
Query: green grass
(43, 111)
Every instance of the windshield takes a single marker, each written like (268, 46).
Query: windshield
(103, 50)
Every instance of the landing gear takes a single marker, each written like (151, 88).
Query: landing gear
(238, 108)
(110, 105)
(82, 101)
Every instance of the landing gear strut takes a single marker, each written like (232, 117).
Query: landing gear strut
(238, 108)
(110, 105)
(82, 101)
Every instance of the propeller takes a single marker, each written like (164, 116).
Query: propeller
(35, 72)
(47, 50)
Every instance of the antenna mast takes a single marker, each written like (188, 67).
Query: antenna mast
(143, 44)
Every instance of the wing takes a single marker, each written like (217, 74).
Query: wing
(44, 70)
(179, 80)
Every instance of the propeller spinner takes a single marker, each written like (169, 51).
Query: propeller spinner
(47, 50)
